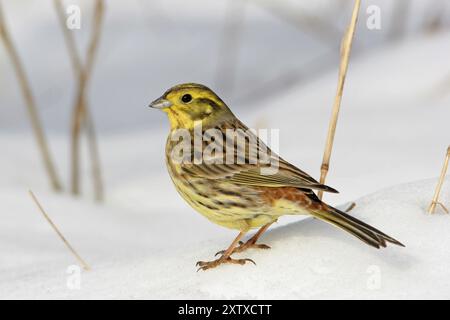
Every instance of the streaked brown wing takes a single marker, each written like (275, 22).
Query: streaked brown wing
(286, 175)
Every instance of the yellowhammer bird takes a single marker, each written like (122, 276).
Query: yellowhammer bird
(230, 188)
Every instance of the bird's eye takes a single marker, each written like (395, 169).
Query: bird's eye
(186, 98)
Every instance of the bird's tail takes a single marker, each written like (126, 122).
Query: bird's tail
(359, 229)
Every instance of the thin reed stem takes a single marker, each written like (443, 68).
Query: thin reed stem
(346, 46)
(30, 103)
(80, 73)
(437, 192)
(59, 233)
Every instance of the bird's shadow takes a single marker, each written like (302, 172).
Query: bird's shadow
(314, 230)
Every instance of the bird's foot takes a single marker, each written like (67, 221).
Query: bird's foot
(247, 245)
(205, 265)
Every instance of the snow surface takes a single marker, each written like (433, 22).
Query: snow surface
(134, 256)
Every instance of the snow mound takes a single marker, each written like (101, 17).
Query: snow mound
(134, 256)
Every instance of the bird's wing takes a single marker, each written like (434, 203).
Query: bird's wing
(275, 172)
(253, 175)
(286, 175)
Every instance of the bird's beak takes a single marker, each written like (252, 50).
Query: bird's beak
(160, 103)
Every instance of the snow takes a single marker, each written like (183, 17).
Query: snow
(143, 242)
(135, 256)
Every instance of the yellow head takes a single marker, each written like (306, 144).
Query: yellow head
(188, 103)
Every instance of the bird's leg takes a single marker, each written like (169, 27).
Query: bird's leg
(251, 243)
(225, 258)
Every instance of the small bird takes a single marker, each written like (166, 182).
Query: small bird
(237, 194)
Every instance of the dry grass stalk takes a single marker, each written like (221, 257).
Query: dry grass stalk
(435, 200)
(80, 113)
(346, 46)
(30, 104)
(350, 207)
(95, 158)
(81, 108)
(60, 235)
